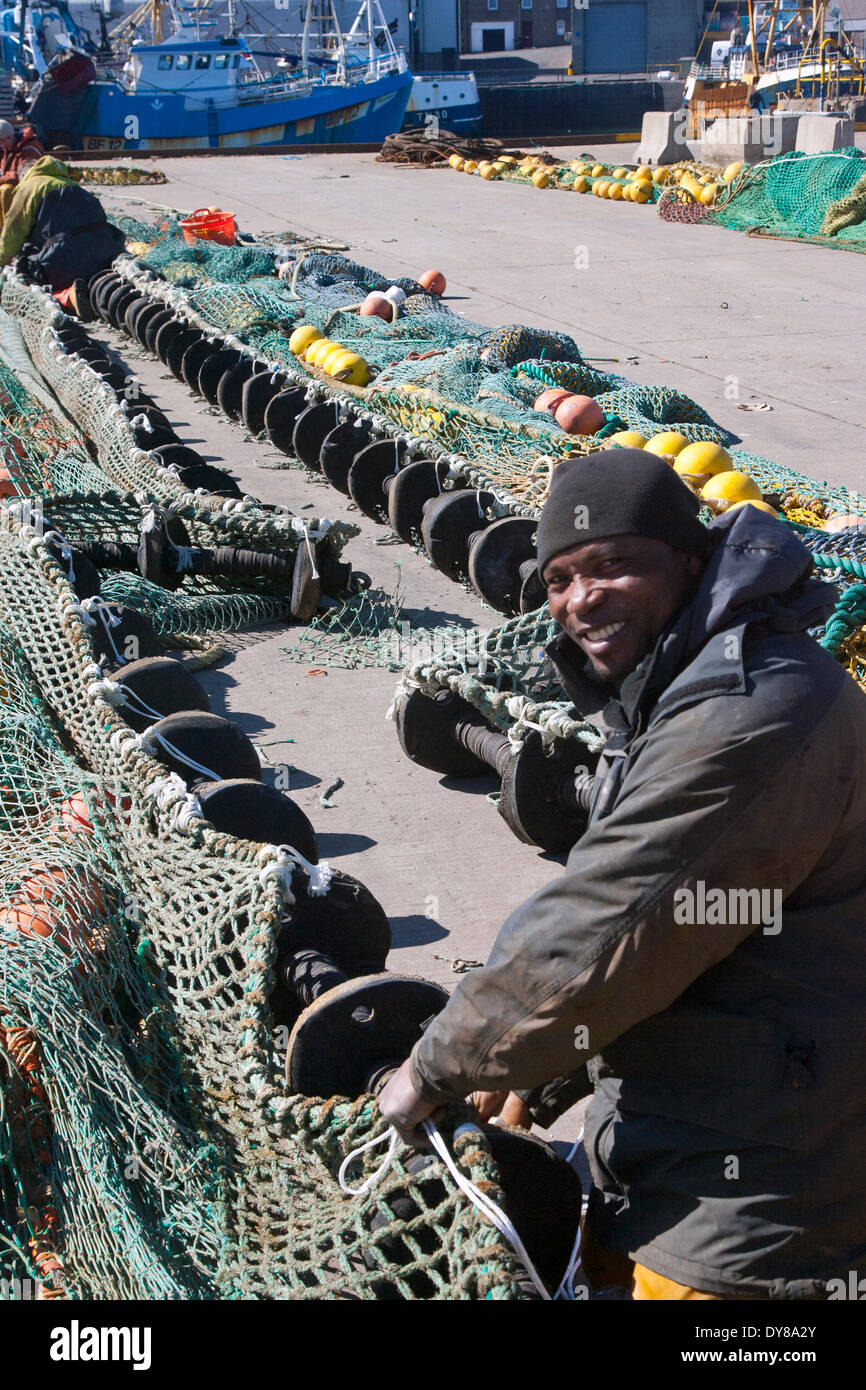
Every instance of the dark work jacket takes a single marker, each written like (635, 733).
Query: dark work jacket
(71, 238)
(727, 1051)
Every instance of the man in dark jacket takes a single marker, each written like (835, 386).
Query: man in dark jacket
(59, 232)
(701, 964)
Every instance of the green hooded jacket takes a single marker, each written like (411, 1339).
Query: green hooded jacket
(46, 176)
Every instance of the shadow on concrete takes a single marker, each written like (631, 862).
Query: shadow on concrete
(423, 618)
(334, 843)
(475, 786)
(416, 930)
(298, 778)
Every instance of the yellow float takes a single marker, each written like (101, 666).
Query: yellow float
(302, 338)
(669, 442)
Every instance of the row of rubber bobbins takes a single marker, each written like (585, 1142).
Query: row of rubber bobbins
(462, 529)
(351, 1021)
(166, 555)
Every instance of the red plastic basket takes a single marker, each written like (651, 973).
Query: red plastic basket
(207, 225)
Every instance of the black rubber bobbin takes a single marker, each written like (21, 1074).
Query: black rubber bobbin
(119, 303)
(121, 635)
(352, 1030)
(145, 316)
(448, 523)
(178, 346)
(103, 292)
(192, 361)
(533, 592)
(132, 311)
(281, 414)
(214, 743)
(495, 559)
(415, 484)
(78, 568)
(231, 385)
(211, 478)
(158, 686)
(152, 327)
(251, 810)
(347, 923)
(177, 455)
(167, 334)
(372, 475)
(97, 282)
(257, 395)
(211, 371)
(339, 449)
(153, 436)
(312, 427)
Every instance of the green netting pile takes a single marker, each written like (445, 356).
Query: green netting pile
(805, 197)
(69, 447)
(465, 388)
(149, 1146)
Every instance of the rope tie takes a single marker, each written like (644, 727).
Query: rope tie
(170, 794)
(109, 691)
(286, 860)
(124, 742)
(79, 611)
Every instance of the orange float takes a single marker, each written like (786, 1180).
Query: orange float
(377, 305)
(579, 415)
(433, 281)
(549, 400)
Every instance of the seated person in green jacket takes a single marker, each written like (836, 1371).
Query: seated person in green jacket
(699, 966)
(59, 233)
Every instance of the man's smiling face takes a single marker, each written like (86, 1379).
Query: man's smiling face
(615, 596)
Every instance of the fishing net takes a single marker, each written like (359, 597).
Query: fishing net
(149, 1146)
(467, 396)
(804, 197)
(459, 388)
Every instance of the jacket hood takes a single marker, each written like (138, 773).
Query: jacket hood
(758, 571)
(46, 167)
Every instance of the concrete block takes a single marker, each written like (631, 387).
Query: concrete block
(661, 138)
(734, 137)
(818, 133)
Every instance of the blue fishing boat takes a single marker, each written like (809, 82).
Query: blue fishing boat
(185, 90)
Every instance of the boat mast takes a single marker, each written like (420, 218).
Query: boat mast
(768, 50)
(754, 38)
(305, 35)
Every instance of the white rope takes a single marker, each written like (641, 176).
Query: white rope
(109, 691)
(485, 1204)
(80, 612)
(286, 860)
(170, 794)
(181, 757)
(310, 551)
(392, 1138)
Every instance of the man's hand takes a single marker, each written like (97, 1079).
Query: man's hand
(505, 1104)
(403, 1107)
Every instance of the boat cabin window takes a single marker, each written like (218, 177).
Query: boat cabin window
(183, 61)
(165, 62)
(236, 60)
(221, 60)
(203, 60)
